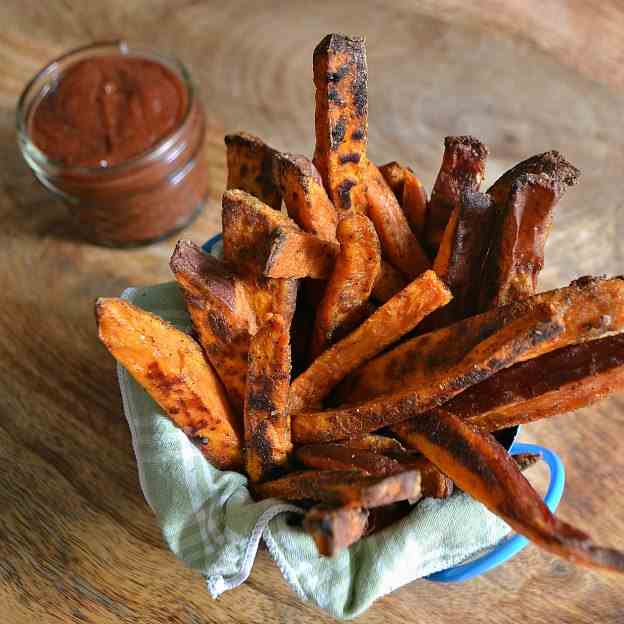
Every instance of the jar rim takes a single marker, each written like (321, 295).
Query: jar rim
(36, 85)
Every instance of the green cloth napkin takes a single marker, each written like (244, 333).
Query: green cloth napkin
(210, 521)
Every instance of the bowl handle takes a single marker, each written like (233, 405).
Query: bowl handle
(209, 244)
(510, 546)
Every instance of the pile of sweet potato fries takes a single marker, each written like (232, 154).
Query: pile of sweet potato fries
(358, 351)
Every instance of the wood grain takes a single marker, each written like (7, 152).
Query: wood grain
(78, 542)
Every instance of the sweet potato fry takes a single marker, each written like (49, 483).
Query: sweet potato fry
(414, 203)
(410, 194)
(304, 195)
(524, 198)
(461, 256)
(552, 164)
(482, 468)
(341, 457)
(558, 382)
(346, 457)
(247, 225)
(388, 283)
(526, 337)
(343, 487)
(298, 254)
(344, 302)
(341, 119)
(394, 175)
(517, 253)
(250, 168)
(267, 422)
(385, 326)
(463, 168)
(217, 303)
(171, 367)
(398, 242)
(335, 529)
(591, 308)
(374, 443)
(434, 483)
(257, 238)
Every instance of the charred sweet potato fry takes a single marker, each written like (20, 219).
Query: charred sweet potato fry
(356, 267)
(462, 169)
(524, 338)
(461, 256)
(217, 303)
(482, 468)
(385, 326)
(171, 368)
(343, 487)
(250, 168)
(552, 164)
(341, 457)
(591, 308)
(334, 529)
(388, 283)
(558, 382)
(259, 239)
(305, 197)
(267, 422)
(414, 202)
(398, 242)
(341, 119)
(517, 253)
(394, 175)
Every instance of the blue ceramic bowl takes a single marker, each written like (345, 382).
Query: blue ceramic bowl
(512, 545)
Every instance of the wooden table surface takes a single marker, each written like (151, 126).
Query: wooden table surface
(77, 540)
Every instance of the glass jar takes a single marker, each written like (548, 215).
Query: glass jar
(141, 199)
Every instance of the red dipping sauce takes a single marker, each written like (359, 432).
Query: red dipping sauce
(118, 134)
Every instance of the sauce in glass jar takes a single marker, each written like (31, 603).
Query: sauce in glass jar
(118, 134)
